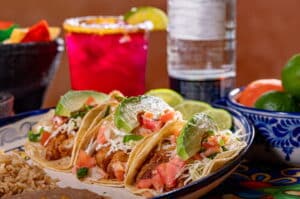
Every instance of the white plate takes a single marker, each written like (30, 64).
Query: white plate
(13, 134)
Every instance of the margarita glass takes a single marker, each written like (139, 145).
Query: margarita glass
(107, 54)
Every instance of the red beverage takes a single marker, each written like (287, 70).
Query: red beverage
(106, 54)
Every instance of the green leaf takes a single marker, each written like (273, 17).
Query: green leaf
(128, 138)
(82, 172)
(35, 137)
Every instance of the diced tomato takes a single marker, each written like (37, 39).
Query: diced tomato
(147, 121)
(44, 138)
(148, 115)
(58, 121)
(161, 170)
(153, 125)
(206, 145)
(213, 141)
(119, 170)
(173, 168)
(90, 101)
(169, 115)
(144, 183)
(212, 150)
(157, 182)
(38, 32)
(179, 163)
(168, 171)
(84, 160)
(171, 171)
(101, 139)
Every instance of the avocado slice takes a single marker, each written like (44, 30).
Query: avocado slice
(193, 133)
(126, 114)
(75, 100)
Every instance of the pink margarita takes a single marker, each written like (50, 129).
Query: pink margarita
(107, 54)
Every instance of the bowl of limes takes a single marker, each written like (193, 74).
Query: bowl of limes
(273, 107)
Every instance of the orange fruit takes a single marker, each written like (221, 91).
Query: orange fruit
(256, 88)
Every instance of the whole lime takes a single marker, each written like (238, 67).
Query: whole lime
(277, 101)
(290, 76)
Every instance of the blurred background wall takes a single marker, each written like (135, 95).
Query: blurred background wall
(268, 33)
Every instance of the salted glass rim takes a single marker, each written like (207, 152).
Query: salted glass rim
(109, 25)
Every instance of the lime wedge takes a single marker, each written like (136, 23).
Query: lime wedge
(222, 118)
(138, 15)
(290, 76)
(74, 100)
(196, 129)
(170, 96)
(189, 107)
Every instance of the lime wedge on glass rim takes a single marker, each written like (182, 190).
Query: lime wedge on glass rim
(189, 107)
(168, 95)
(222, 118)
(138, 15)
(196, 129)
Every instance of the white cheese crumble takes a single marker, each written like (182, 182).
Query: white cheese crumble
(71, 127)
(114, 138)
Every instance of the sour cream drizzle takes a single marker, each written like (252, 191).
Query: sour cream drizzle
(70, 127)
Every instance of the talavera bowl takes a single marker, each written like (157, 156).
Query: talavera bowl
(277, 132)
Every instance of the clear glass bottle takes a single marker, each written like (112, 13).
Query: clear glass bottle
(201, 48)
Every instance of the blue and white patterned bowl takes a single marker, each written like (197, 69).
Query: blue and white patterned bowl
(279, 130)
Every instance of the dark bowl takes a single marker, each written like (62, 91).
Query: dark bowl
(277, 133)
(26, 70)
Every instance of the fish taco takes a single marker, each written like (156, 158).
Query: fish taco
(52, 141)
(180, 155)
(105, 151)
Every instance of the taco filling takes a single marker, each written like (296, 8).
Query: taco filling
(164, 170)
(55, 136)
(57, 133)
(166, 167)
(106, 155)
